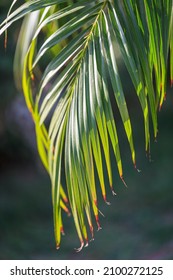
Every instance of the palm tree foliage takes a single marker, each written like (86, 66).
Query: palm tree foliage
(67, 63)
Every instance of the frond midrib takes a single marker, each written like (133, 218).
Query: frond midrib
(82, 55)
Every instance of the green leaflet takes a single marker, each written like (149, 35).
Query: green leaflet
(171, 54)
(116, 82)
(104, 98)
(69, 98)
(66, 30)
(132, 67)
(41, 133)
(26, 8)
(26, 35)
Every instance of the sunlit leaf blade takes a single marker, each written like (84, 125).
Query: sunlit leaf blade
(56, 180)
(26, 8)
(107, 109)
(139, 45)
(66, 30)
(154, 40)
(116, 82)
(132, 68)
(26, 34)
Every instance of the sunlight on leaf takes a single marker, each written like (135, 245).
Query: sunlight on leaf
(69, 70)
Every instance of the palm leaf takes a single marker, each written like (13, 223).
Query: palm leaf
(69, 99)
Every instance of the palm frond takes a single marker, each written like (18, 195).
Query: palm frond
(69, 99)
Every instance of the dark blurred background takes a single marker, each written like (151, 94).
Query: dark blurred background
(139, 222)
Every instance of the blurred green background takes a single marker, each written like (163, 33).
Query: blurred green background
(139, 222)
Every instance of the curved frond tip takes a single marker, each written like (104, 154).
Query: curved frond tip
(69, 99)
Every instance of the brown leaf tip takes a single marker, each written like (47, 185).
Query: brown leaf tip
(80, 248)
(62, 230)
(112, 190)
(122, 179)
(105, 199)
